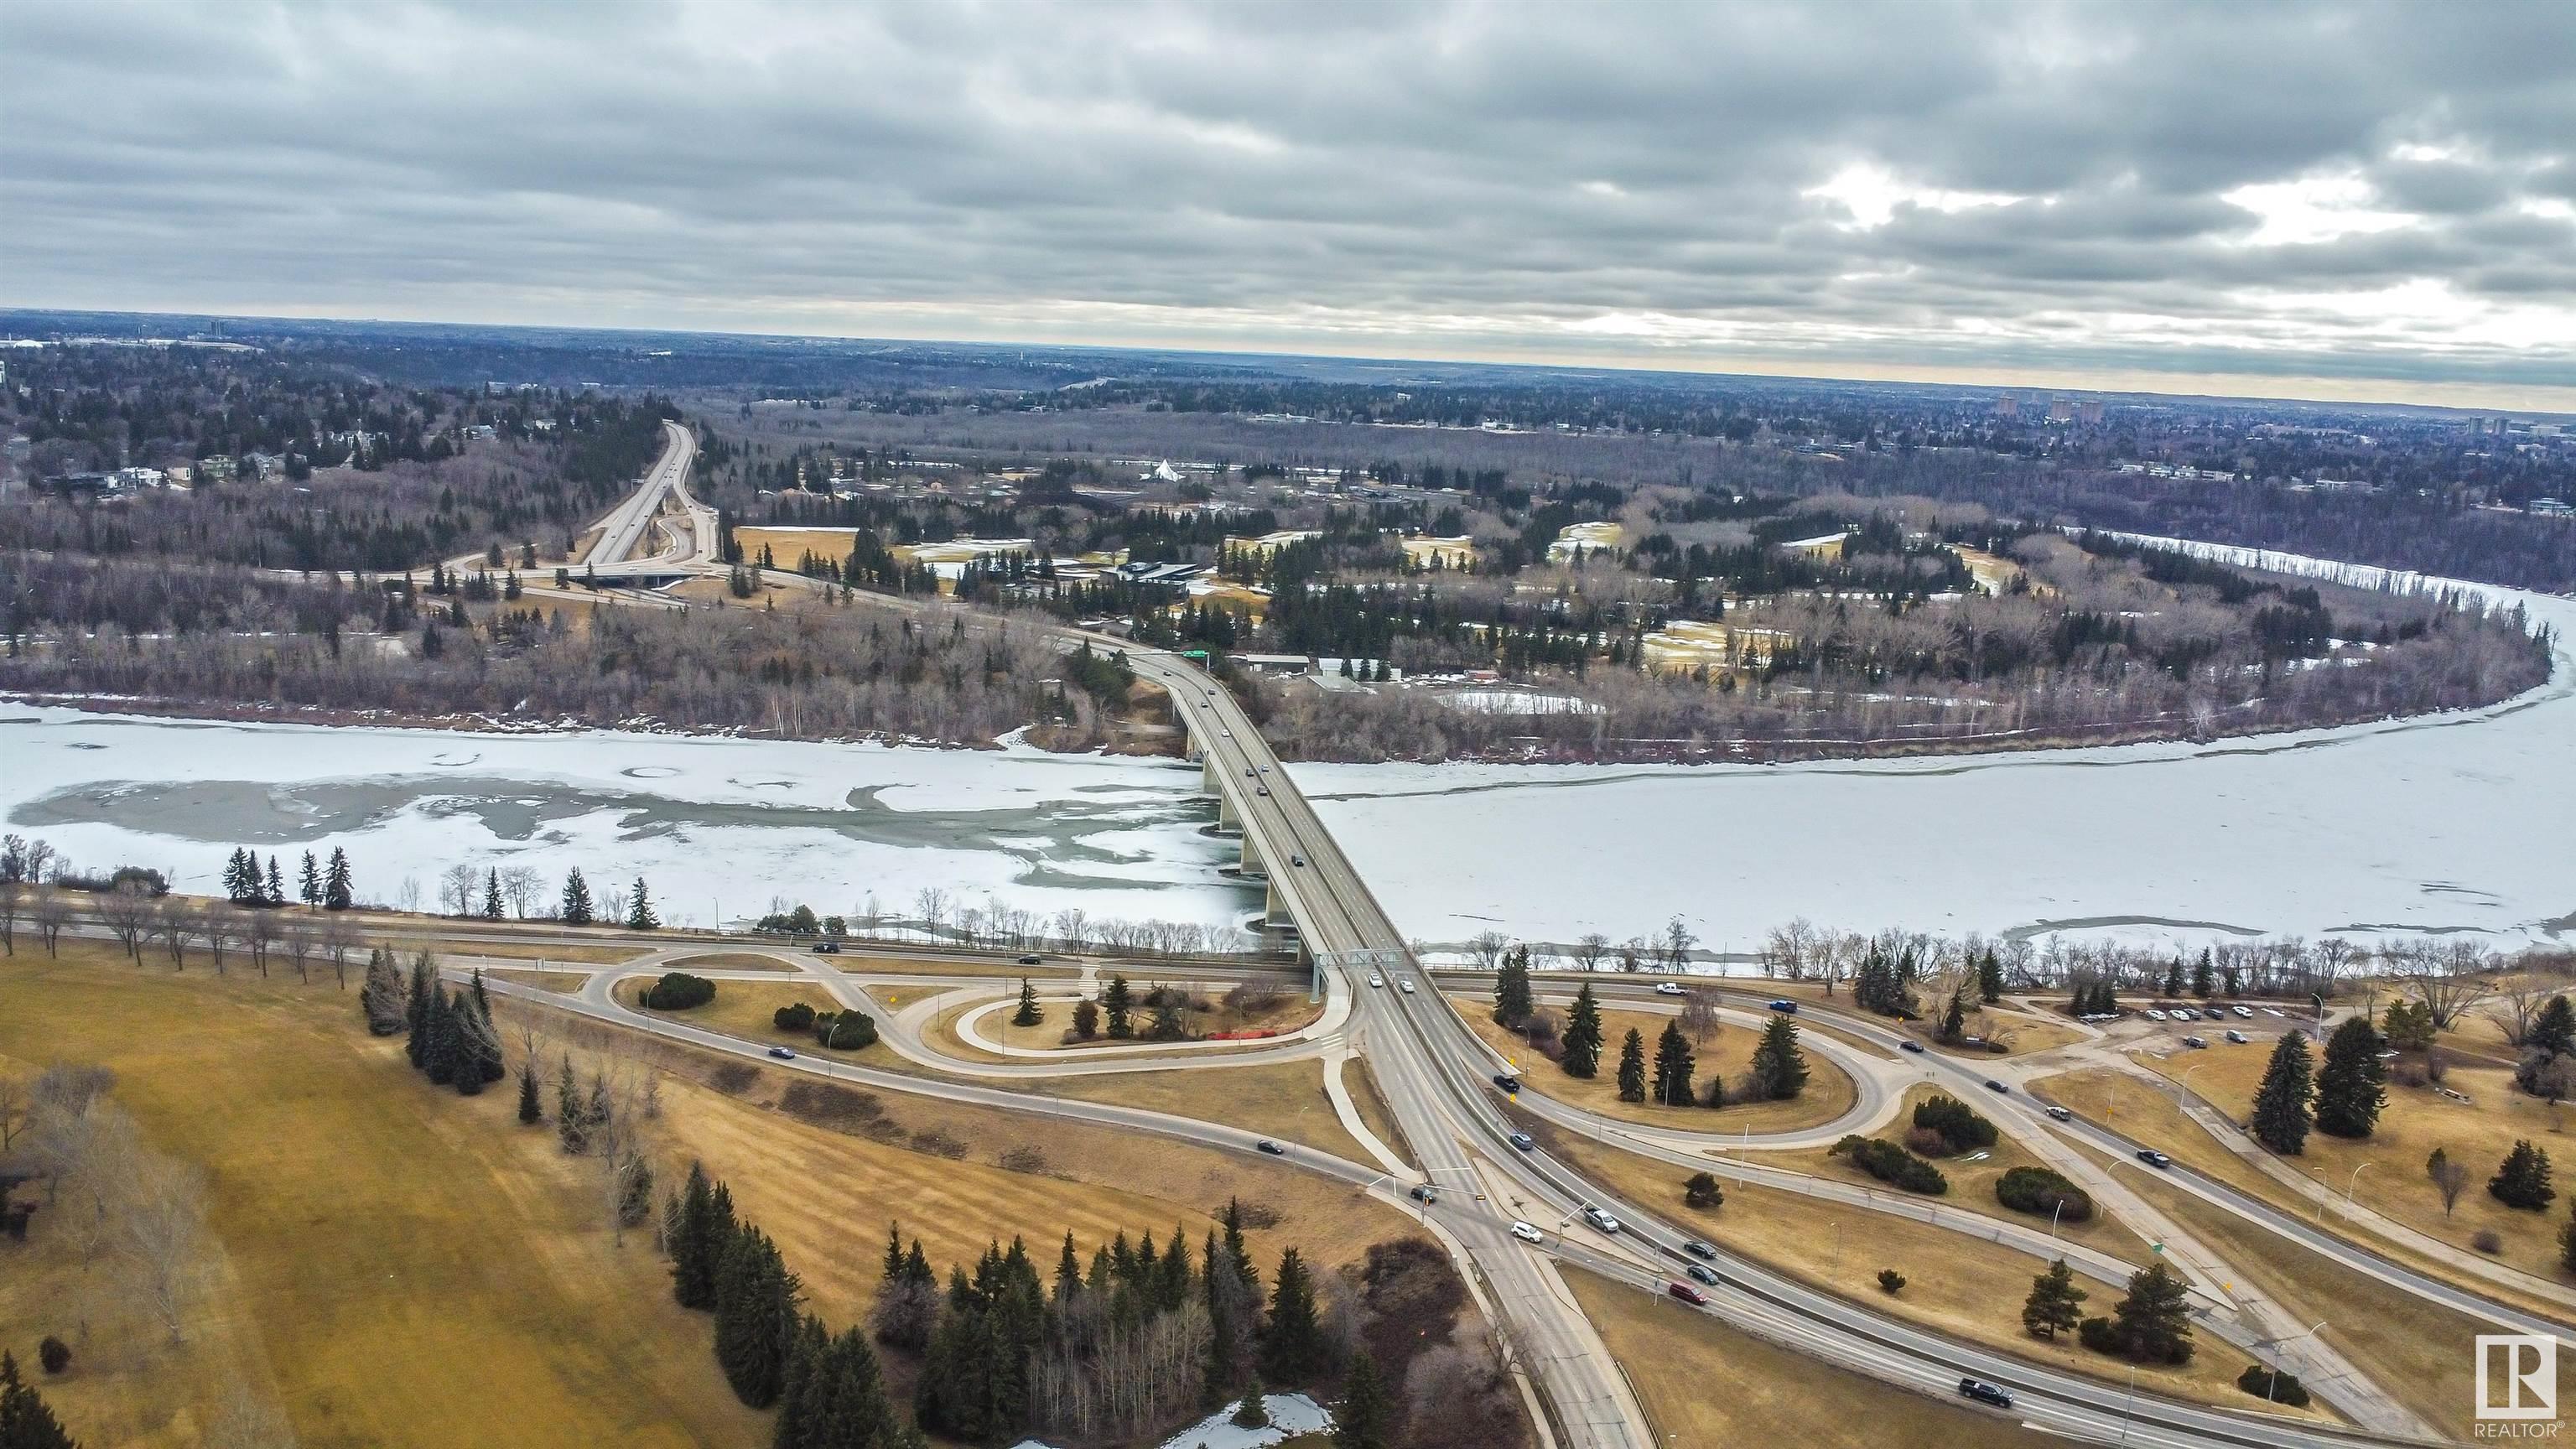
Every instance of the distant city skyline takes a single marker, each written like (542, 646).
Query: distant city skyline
(2304, 201)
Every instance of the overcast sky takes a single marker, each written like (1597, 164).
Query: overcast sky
(2304, 199)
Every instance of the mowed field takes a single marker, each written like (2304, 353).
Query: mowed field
(1829, 1092)
(392, 1264)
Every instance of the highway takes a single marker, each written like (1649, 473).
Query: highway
(623, 531)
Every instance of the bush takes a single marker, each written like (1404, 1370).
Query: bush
(1702, 1191)
(798, 1017)
(2488, 1240)
(678, 991)
(1890, 1282)
(2043, 1191)
(847, 1031)
(1956, 1121)
(1925, 1142)
(1892, 1165)
(2278, 1388)
(2096, 1334)
(54, 1354)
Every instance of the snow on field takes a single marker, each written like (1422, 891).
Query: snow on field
(711, 823)
(2456, 823)
(1290, 1414)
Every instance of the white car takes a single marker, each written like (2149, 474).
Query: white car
(1408, 987)
(2271, 1011)
(2242, 1013)
(1527, 1233)
(1599, 1219)
(2154, 1015)
(1668, 988)
(1376, 980)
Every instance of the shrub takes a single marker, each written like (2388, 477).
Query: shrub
(678, 991)
(2096, 1334)
(1956, 1121)
(1702, 1191)
(1892, 1165)
(798, 1017)
(1890, 1282)
(2274, 1386)
(54, 1354)
(2488, 1240)
(2043, 1191)
(1925, 1142)
(846, 1031)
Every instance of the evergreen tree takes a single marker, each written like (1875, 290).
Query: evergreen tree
(492, 894)
(380, 999)
(572, 1119)
(1512, 1004)
(424, 986)
(308, 887)
(1778, 1064)
(1292, 1348)
(26, 1422)
(337, 892)
(1674, 1064)
(2351, 1081)
(1029, 1013)
(446, 1053)
(755, 1315)
(1252, 1412)
(239, 873)
(2173, 978)
(531, 1108)
(1954, 1015)
(274, 893)
(2553, 1032)
(576, 899)
(2055, 1303)
(2523, 1181)
(2567, 1244)
(1582, 1040)
(1632, 1067)
(1362, 1420)
(2152, 1324)
(1120, 1006)
(1990, 977)
(2204, 977)
(2281, 1103)
(639, 913)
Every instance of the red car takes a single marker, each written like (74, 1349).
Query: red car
(1687, 1293)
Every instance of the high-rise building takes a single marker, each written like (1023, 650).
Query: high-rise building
(2007, 406)
(2089, 412)
(2060, 410)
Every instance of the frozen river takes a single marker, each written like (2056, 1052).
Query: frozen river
(2457, 823)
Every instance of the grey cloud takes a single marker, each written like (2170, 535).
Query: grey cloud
(1425, 178)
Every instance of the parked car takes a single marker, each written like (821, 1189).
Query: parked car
(1702, 1272)
(2236, 1036)
(1527, 1232)
(1273, 1148)
(1785, 1007)
(1698, 1249)
(1599, 1219)
(2154, 1015)
(1524, 1142)
(2214, 1014)
(1687, 1293)
(2245, 1013)
(2153, 1158)
(2060, 1114)
(825, 948)
(1984, 1393)
(1994, 1086)
(783, 1054)
(1910, 1044)
(2196, 1043)
(1507, 1081)
(2271, 1011)
(1669, 988)
(1424, 1194)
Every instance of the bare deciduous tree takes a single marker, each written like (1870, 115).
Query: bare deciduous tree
(127, 913)
(1699, 1014)
(301, 940)
(339, 939)
(52, 912)
(1590, 950)
(2449, 977)
(164, 1222)
(522, 887)
(174, 921)
(259, 937)
(1488, 947)
(458, 886)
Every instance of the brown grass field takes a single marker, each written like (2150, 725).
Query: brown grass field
(1705, 1383)
(728, 961)
(1955, 1283)
(1284, 1100)
(567, 982)
(1829, 1093)
(531, 951)
(392, 1264)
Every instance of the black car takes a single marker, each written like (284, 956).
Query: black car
(783, 1054)
(1702, 1272)
(1984, 1393)
(1994, 1086)
(1698, 1249)
(1273, 1148)
(1424, 1194)
(2153, 1158)
(1507, 1081)
(1032, 960)
(1910, 1044)
(826, 948)
(1524, 1142)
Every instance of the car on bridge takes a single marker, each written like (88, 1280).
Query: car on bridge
(1687, 1294)
(1984, 1393)
(1376, 980)
(1407, 985)
(1297, 860)
(1261, 789)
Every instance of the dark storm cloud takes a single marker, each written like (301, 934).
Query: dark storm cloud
(2296, 188)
